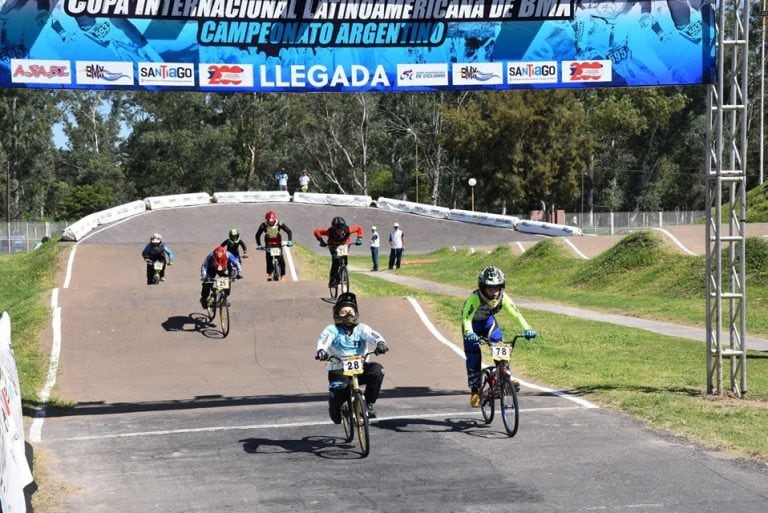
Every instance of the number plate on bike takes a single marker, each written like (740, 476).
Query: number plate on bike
(274, 251)
(342, 251)
(501, 351)
(352, 365)
(222, 282)
(158, 265)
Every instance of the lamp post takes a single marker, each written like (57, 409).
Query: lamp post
(763, 15)
(472, 182)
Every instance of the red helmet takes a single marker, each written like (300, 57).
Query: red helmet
(220, 258)
(271, 218)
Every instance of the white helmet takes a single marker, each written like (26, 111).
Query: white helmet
(156, 238)
(491, 276)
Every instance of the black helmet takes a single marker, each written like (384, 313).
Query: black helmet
(339, 230)
(491, 276)
(234, 235)
(347, 299)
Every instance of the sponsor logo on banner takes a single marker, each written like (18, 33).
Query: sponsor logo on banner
(587, 71)
(175, 74)
(319, 76)
(477, 73)
(38, 71)
(104, 73)
(226, 75)
(409, 75)
(539, 72)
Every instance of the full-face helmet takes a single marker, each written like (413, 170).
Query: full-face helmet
(234, 235)
(345, 310)
(491, 284)
(339, 229)
(220, 258)
(156, 239)
(271, 218)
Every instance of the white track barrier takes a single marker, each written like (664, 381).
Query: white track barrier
(252, 197)
(14, 468)
(339, 200)
(542, 228)
(412, 208)
(178, 200)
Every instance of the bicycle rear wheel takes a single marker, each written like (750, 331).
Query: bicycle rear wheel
(487, 402)
(343, 279)
(347, 422)
(223, 306)
(510, 413)
(361, 422)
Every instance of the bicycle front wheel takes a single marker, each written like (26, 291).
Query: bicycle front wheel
(361, 422)
(510, 413)
(344, 279)
(487, 401)
(347, 421)
(211, 308)
(276, 270)
(223, 305)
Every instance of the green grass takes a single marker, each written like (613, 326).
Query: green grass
(27, 279)
(638, 276)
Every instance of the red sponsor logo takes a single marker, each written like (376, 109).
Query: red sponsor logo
(586, 71)
(40, 71)
(225, 75)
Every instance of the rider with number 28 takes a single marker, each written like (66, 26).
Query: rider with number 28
(478, 320)
(219, 262)
(338, 235)
(348, 336)
(271, 229)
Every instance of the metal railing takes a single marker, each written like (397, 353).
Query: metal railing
(610, 223)
(21, 236)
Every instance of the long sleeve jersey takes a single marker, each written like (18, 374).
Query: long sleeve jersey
(475, 309)
(335, 341)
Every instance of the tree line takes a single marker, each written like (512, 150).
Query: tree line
(602, 149)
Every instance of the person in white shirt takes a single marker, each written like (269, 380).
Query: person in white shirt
(375, 242)
(304, 181)
(397, 245)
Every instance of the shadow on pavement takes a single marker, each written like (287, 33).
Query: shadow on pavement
(322, 446)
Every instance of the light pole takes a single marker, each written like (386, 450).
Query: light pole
(472, 182)
(763, 15)
(416, 161)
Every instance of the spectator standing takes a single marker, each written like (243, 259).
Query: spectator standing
(282, 180)
(304, 181)
(375, 242)
(397, 245)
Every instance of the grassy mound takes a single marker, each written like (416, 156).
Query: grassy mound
(632, 254)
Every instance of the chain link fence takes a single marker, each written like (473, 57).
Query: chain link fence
(610, 223)
(19, 236)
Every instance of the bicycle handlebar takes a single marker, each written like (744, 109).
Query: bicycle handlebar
(334, 358)
(484, 340)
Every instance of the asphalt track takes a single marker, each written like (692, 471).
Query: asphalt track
(170, 417)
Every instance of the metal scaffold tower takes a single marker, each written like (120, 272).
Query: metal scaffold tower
(726, 176)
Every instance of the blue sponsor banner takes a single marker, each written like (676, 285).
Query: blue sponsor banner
(354, 45)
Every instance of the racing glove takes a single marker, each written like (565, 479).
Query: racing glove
(289, 244)
(321, 355)
(529, 334)
(323, 244)
(471, 339)
(358, 242)
(381, 348)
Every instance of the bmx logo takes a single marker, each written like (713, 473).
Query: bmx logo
(587, 71)
(227, 75)
(35, 71)
(101, 73)
(481, 73)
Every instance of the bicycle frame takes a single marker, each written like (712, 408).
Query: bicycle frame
(497, 384)
(354, 413)
(342, 273)
(217, 301)
(275, 253)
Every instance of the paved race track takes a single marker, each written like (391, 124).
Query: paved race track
(170, 417)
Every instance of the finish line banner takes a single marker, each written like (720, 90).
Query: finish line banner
(354, 45)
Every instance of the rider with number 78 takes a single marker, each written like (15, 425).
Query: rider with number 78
(478, 320)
